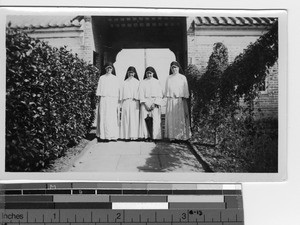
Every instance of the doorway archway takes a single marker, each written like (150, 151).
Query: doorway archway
(114, 33)
(160, 59)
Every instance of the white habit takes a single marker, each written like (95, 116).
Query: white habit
(150, 92)
(107, 113)
(177, 124)
(129, 128)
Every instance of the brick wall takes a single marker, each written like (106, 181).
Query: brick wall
(78, 40)
(200, 47)
(267, 102)
(58, 37)
(88, 40)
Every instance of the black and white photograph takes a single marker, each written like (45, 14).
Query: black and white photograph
(198, 93)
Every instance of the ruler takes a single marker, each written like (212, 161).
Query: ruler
(121, 204)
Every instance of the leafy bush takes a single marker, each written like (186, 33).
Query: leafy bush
(244, 76)
(50, 101)
(248, 146)
(238, 142)
(259, 147)
(207, 115)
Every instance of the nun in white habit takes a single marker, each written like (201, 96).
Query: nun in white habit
(107, 113)
(177, 123)
(129, 98)
(150, 94)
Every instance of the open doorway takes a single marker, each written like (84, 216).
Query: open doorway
(158, 58)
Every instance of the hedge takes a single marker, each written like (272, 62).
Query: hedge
(207, 115)
(237, 141)
(50, 101)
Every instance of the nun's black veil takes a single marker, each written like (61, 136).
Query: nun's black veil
(151, 69)
(131, 68)
(174, 63)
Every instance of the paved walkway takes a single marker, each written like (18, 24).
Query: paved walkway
(137, 157)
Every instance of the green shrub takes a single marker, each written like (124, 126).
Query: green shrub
(193, 76)
(259, 147)
(233, 130)
(207, 115)
(50, 101)
(247, 146)
(246, 75)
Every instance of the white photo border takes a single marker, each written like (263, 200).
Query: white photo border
(155, 177)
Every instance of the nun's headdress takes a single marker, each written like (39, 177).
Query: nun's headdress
(109, 64)
(151, 69)
(131, 69)
(174, 63)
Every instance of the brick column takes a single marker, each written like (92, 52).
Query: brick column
(88, 40)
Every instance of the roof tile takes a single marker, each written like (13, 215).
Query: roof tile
(234, 21)
(38, 22)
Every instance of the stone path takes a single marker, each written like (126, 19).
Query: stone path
(137, 157)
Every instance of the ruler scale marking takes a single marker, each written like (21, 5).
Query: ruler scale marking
(190, 204)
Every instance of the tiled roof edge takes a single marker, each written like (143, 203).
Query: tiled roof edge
(234, 21)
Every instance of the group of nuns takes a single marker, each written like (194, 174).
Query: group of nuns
(122, 109)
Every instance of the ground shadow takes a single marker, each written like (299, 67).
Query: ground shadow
(167, 157)
(91, 135)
